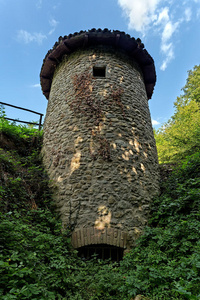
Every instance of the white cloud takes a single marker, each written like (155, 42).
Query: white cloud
(188, 14)
(167, 28)
(53, 23)
(140, 13)
(167, 47)
(163, 18)
(145, 14)
(169, 55)
(168, 31)
(27, 37)
(37, 85)
(39, 4)
(154, 122)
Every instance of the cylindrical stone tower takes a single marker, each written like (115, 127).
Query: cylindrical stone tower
(99, 149)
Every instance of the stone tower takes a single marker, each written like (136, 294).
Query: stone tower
(99, 149)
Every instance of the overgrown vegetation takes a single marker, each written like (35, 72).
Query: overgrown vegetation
(180, 136)
(165, 263)
(37, 261)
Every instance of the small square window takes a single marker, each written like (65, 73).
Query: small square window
(99, 71)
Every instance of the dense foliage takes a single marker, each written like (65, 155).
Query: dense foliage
(180, 136)
(166, 261)
(36, 258)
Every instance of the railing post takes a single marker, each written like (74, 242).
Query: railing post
(40, 122)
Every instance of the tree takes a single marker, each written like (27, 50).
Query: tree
(192, 87)
(180, 136)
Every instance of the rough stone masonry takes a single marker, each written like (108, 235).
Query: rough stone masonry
(98, 148)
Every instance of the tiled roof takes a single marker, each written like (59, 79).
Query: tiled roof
(94, 37)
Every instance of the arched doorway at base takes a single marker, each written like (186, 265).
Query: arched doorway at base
(101, 251)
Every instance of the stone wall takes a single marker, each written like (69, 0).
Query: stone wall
(99, 148)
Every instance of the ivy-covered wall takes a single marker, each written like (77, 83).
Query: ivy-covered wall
(99, 147)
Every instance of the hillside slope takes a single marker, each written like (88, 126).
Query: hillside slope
(37, 261)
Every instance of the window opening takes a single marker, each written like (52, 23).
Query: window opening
(99, 71)
(102, 251)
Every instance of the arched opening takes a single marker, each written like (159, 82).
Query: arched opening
(102, 251)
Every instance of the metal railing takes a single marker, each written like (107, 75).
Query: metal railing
(16, 120)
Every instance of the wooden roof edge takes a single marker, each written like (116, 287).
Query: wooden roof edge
(84, 39)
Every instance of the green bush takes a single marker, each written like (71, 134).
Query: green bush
(36, 258)
(165, 262)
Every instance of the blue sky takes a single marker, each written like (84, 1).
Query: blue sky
(170, 31)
